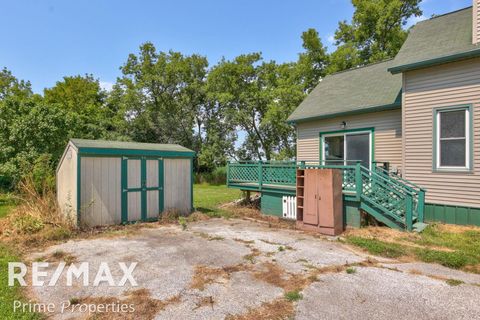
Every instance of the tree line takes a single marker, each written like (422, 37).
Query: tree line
(170, 97)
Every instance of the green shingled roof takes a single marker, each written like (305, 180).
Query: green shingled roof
(121, 145)
(438, 40)
(363, 89)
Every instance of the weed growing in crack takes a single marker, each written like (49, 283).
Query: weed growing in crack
(183, 222)
(351, 270)
(454, 282)
(293, 296)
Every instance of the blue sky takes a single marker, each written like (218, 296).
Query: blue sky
(44, 40)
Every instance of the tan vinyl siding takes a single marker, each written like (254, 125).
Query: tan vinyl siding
(177, 181)
(67, 183)
(387, 134)
(100, 191)
(442, 86)
(476, 21)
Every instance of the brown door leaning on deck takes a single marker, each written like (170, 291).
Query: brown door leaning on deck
(310, 212)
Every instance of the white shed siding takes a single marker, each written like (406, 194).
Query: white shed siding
(67, 183)
(387, 134)
(177, 181)
(425, 89)
(100, 191)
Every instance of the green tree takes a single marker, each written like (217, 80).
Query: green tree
(29, 129)
(257, 97)
(313, 62)
(84, 102)
(375, 33)
(160, 95)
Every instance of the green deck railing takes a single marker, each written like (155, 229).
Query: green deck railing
(389, 198)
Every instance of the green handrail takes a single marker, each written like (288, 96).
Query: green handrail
(396, 198)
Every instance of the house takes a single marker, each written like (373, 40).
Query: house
(412, 123)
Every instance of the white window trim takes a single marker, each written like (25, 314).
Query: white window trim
(467, 166)
(344, 134)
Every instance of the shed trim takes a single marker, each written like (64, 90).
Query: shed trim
(135, 152)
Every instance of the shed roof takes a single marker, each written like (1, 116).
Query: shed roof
(118, 147)
(362, 89)
(438, 40)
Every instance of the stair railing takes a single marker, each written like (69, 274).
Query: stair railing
(418, 192)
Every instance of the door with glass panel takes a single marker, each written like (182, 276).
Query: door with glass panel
(142, 188)
(347, 148)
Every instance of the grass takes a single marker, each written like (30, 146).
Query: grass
(454, 282)
(450, 247)
(351, 270)
(208, 198)
(10, 294)
(377, 247)
(6, 204)
(293, 296)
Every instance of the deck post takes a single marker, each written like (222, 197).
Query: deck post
(260, 175)
(228, 174)
(358, 181)
(421, 205)
(409, 212)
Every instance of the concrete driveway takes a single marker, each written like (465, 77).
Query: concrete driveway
(239, 269)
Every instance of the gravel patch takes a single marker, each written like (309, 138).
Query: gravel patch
(377, 293)
(169, 258)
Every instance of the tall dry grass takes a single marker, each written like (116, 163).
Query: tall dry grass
(37, 219)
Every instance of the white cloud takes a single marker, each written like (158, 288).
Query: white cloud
(105, 85)
(331, 38)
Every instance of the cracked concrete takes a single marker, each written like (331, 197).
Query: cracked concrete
(167, 259)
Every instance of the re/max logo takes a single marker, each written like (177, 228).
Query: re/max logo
(81, 273)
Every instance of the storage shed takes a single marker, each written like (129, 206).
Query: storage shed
(113, 182)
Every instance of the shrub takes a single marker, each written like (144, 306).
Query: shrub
(42, 174)
(27, 224)
(217, 177)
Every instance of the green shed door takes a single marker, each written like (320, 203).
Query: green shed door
(142, 188)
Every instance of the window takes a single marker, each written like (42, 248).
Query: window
(347, 148)
(453, 139)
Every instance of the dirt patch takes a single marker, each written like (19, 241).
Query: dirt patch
(244, 241)
(277, 309)
(208, 236)
(275, 275)
(250, 213)
(205, 301)
(456, 228)
(60, 255)
(204, 275)
(251, 257)
(145, 306)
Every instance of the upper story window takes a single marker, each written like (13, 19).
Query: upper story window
(453, 139)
